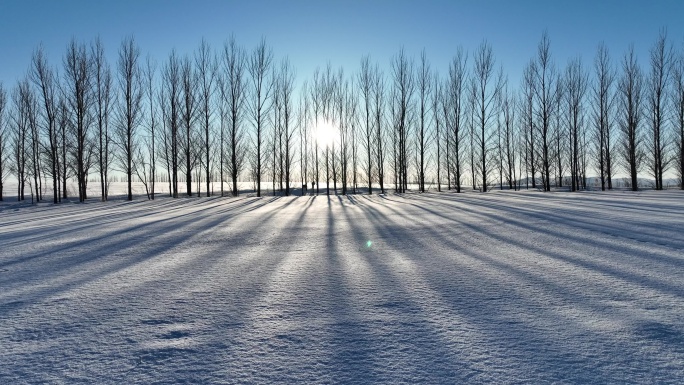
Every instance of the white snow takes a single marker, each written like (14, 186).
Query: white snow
(500, 288)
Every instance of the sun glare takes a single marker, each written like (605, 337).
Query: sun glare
(326, 133)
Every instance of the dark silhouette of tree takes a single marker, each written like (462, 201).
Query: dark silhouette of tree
(206, 76)
(436, 101)
(259, 65)
(23, 103)
(603, 104)
(316, 107)
(44, 79)
(303, 123)
(78, 83)
(378, 92)
(353, 132)
(234, 65)
(341, 93)
(152, 120)
(545, 77)
(575, 84)
(172, 92)
(285, 88)
(528, 123)
(658, 83)
(189, 113)
(129, 111)
(508, 110)
(34, 135)
(424, 88)
(404, 88)
(457, 93)
(486, 90)
(103, 100)
(630, 103)
(365, 82)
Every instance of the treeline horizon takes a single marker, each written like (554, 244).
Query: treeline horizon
(229, 114)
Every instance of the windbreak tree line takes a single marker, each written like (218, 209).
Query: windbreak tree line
(219, 116)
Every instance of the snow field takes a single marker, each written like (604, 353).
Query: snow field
(501, 288)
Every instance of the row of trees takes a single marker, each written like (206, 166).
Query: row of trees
(231, 115)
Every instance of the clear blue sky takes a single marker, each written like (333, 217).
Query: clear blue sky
(312, 33)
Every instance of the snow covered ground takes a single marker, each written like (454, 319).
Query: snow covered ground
(422, 288)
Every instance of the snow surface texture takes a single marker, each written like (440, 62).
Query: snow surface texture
(422, 288)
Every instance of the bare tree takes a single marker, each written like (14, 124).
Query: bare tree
(347, 125)
(259, 66)
(341, 95)
(630, 96)
(27, 145)
(129, 111)
(486, 90)
(223, 123)
(603, 103)
(326, 90)
(545, 76)
(64, 125)
(378, 109)
(206, 73)
(285, 89)
(404, 87)
(424, 87)
(79, 95)
(436, 101)
(365, 82)
(353, 129)
(509, 143)
(23, 103)
(457, 98)
(103, 99)
(189, 115)
(559, 130)
(234, 64)
(172, 93)
(316, 107)
(527, 121)
(44, 79)
(150, 90)
(472, 130)
(303, 122)
(658, 82)
(575, 88)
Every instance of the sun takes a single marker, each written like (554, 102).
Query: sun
(326, 133)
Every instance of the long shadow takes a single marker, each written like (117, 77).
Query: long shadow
(484, 311)
(438, 358)
(353, 360)
(567, 257)
(66, 211)
(151, 361)
(158, 236)
(656, 205)
(229, 315)
(88, 222)
(572, 210)
(556, 220)
(165, 217)
(295, 339)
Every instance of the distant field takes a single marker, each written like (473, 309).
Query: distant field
(504, 287)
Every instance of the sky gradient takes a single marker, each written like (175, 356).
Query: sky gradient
(313, 33)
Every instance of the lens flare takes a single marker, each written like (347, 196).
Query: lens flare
(369, 244)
